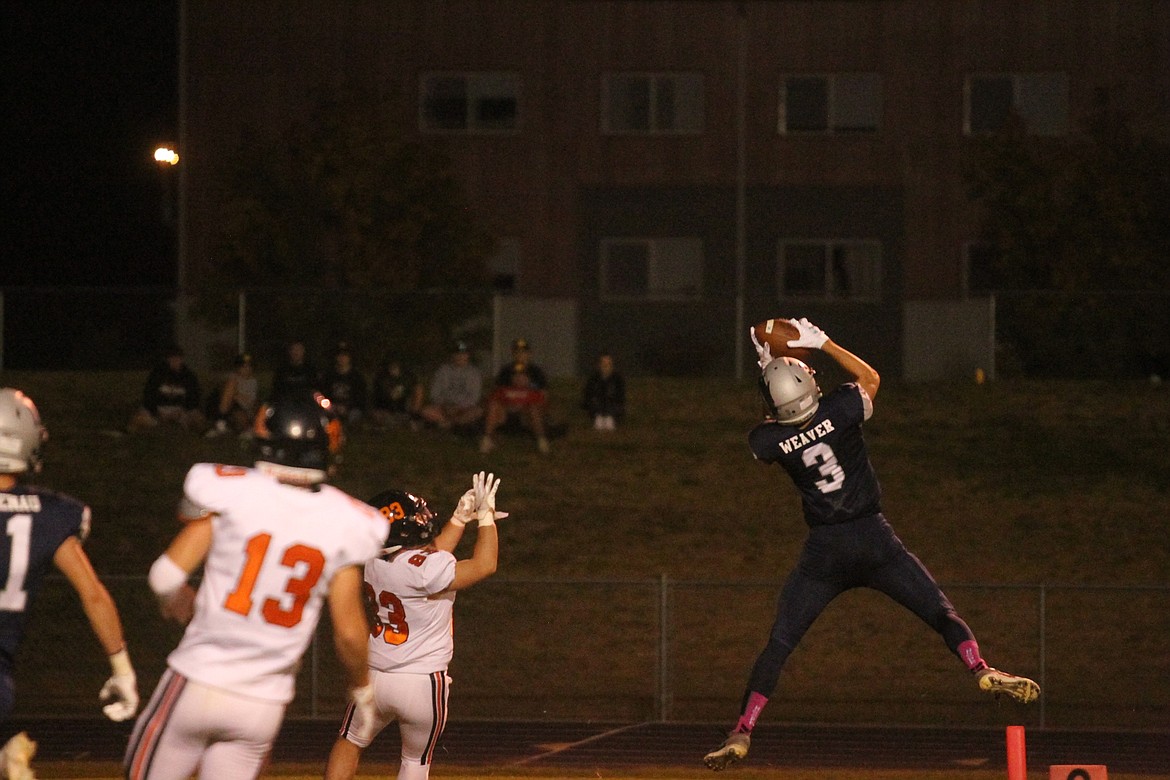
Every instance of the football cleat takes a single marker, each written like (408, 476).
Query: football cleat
(733, 749)
(996, 682)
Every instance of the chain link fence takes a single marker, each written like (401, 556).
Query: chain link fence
(664, 650)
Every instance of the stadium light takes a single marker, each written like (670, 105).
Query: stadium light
(164, 155)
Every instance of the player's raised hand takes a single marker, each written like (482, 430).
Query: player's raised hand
(121, 690)
(763, 351)
(810, 335)
(485, 487)
(465, 509)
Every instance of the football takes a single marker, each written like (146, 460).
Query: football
(776, 333)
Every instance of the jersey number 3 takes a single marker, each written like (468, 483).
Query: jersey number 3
(279, 612)
(821, 457)
(394, 629)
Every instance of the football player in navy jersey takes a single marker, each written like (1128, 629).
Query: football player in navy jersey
(38, 527)
(819, 444)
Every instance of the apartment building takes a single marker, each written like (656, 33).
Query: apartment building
(666, 172)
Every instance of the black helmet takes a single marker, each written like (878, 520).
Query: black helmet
(412, 523)
(298, 430)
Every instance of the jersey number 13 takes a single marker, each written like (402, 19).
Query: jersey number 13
(287, 610)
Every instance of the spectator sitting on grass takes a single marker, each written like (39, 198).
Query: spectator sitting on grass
(519, 398)
(238, 400)
(296, 374)
(604, 398)
(345, 387)
(397, 396)
(456, 392)
(170, 395)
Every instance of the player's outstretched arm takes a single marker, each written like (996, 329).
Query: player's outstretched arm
(350, 629)
(813, 337)
(863, 372)
(483, 560)
(350, 634)
(121, 689)
(448, 539)
(99, 607)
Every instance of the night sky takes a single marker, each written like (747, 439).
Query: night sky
(89, 90)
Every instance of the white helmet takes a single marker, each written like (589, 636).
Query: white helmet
(789, 390)
(21, 433)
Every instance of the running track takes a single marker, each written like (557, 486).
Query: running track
(550, 745)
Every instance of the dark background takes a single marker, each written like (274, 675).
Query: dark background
(90, 89)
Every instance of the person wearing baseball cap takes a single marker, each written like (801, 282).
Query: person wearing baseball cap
(456, 391)
(520, 397)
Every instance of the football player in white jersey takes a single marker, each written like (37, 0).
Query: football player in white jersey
(275, 542)
(411, 589)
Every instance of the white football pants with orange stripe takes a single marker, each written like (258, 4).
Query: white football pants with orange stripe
(187, 725)
(419, 703)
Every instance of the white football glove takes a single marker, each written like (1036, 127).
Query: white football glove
(465, 509)
(121, 690)
(810, 335)
(763, 352)
(485, 487)
(363, 703)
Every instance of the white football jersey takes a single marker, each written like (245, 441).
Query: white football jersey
(274, 550)
(413, 632)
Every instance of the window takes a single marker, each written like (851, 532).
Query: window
(1038, 100)
(980, 260)
(504, 266)
(835, 103)
(653, 103)
(662, 268)
(469, 102)
(839, 270)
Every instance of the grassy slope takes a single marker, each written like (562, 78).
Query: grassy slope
(1072, 477)
(1004, 483)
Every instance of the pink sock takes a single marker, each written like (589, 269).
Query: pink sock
(969, 652)
(751, 713)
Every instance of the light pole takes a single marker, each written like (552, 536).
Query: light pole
(167, 160)
(166, 157)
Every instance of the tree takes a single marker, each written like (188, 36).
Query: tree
(1085, 219)
(345, 208)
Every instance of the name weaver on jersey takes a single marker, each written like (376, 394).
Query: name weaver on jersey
(804, 438)
(817, 441)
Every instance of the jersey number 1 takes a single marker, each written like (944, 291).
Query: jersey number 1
(240, 599)
(14, 597)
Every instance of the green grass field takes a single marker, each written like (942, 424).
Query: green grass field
(1006, 483)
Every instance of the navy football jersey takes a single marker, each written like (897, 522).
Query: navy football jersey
(33, 524)
(826, 458)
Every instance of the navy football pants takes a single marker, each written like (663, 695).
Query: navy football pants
(864, 553)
